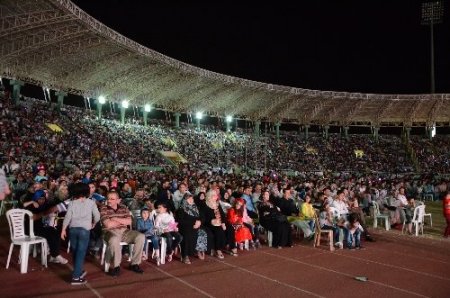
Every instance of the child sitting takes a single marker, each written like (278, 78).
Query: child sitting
(145, 225)
(352, 231)
(166, 226)
(236, 219)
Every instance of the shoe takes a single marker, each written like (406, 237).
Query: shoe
(186, 260)
(359, 247)
(114, 272)
(201, 255)
(257, 244)
(233, 252)
(58, 260)
(136, 268)
(369, 238)
(220, 254)
(83, 274)
(78, 281)
(169, 257)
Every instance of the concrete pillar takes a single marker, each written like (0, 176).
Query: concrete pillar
(60, 95)
(177, 119)
(145, 117)
(122, 115)
(306, 131)
(17, 85)
(376, 129)
(408, 132)
(257, 124)
(277, 130)
(346, 132)
(228, 126)
(325, 131)
(429, 132)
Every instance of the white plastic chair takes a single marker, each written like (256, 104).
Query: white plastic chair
(377, 214)
(427, 215)
(105, 258)
(417, 219)
(16, 221)
(428, 197)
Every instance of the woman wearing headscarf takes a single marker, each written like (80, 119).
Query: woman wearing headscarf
(194, 237)
(215, 220)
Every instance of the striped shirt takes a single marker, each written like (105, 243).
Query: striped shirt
(106, 213)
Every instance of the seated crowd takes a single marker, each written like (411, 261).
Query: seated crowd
(195, 208)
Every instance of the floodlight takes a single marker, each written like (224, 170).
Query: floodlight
(147, 108)
(229, 119)
(199, 115)
(101, 100)
(125, 104)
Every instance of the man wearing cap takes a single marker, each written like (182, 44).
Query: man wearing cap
(41, 211)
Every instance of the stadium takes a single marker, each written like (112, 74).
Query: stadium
(82, 104)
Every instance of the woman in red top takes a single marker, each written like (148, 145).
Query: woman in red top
(446, 209)
(235, 217)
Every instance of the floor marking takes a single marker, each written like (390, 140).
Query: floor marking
(395, 267)
(182, 281)
(411, 256)
(271, 279)
(345, 274)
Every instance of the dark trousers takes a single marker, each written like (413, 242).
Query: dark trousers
(52, 236)
(173, 239)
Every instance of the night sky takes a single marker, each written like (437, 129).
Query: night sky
(357, 46)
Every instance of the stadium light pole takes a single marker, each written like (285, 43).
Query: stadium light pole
(432, 13)
(123, 107)
(147, 109)
(228, 120)
(100, 102)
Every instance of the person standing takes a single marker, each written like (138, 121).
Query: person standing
(446, 205)
(82, 215)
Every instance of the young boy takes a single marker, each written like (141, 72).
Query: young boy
(82, 215)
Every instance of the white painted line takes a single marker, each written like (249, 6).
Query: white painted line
(96, 293)
(182, 281)
(394, 266)
(270, 279)
(345, 274)
(409, 255)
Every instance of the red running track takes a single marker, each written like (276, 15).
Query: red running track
(396, 266)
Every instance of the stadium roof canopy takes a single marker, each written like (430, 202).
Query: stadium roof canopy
(55, 44)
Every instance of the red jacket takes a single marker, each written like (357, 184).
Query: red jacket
(446, 205)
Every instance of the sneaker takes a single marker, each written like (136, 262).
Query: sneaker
(58, 260)
(83, 274)
(136, 268)
(186, 260)
(78, 281)
(114, 272)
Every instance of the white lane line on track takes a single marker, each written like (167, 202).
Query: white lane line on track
(345, 274)
(409, 255)
(182, 281)
(270, 279)
(96, 293)
(394, 266)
